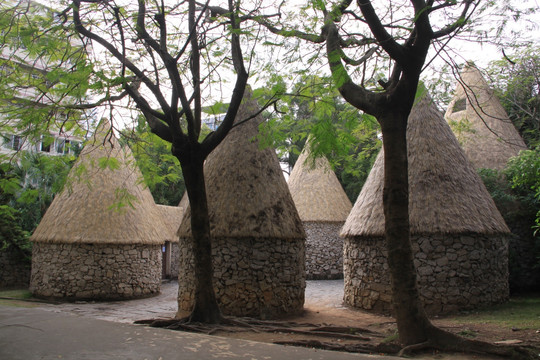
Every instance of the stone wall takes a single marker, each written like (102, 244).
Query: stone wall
(14, 269)
(455, 272)
(175, 259)
(262, 278)
(95, 271)
(324, 251)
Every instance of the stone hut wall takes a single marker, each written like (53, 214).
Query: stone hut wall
(95, 271)
(455, 272)
(14, 269)
(255, 277)
(175, 259)
(324, 251)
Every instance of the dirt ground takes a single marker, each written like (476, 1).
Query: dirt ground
(381, 329)
(326, 308)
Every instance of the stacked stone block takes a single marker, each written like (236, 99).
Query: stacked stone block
(324, 250)
(262, 278)
(95, 271)
(455, 272)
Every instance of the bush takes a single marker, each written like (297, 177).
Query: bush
(12, 237)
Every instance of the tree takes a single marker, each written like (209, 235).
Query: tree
(145, 36)
(162, 60)
(404, 36)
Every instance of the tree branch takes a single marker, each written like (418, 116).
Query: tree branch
(385, 40)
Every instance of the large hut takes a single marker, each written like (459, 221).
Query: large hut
(481, 124)
(101, 237)
(459, 238)
(323, 207)
(258, 241)
(172, 217)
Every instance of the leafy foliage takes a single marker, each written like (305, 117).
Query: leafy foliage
(12, 237)
(523, 173)
(517, 85)
(314, 109)
(30, 185)
(160, 168)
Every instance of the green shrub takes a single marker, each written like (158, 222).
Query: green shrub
(12, 237)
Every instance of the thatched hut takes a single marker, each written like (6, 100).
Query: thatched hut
(257, 236)
(458, 236)
(481, 124)
(101, 237)
(323, 207)
(172, 217)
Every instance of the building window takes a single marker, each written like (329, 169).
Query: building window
(13, 142)
(60, 146)
(46, 142)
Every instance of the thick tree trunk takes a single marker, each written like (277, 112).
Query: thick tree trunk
(413, 324)
(206, 308)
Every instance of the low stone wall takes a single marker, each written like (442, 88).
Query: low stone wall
(455, 272)
(324, 251)
(262, 278)
(14, 269)
(95, 271)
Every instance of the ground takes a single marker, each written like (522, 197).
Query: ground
(323, 306)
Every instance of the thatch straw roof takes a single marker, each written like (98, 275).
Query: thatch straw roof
(247, 192)
(83, 212)
(316, 191)
(172, 217)
(446, 194)
(481, 124)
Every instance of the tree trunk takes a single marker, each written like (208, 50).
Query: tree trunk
(206, 308)
(413, 324)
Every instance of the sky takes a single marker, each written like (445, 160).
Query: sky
(520, 30)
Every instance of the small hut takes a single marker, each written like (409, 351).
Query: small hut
(101, 237)
(258, 243)
(172, 217)
(458, 236)
(323, 207)
(481, 124)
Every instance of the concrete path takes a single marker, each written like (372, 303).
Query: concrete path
(38, 333)
(328, 293)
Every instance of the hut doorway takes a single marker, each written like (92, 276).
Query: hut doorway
(166, 262)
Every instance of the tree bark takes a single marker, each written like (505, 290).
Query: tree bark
(206, 308)
(412, 321)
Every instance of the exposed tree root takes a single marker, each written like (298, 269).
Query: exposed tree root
(438, 339)
(352, 348)
(446, 341)
(255, 325)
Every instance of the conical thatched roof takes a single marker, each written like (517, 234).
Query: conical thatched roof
(172, 217)
(82, 212)
(316, 191)
(247, 192)
(481, 124)
(445, 193)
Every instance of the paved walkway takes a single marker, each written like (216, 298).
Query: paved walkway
(327, 293)
(71, 331)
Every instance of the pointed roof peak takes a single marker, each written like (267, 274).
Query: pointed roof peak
(316, 191)
(446, 195)
(104, 200)
(480, 123)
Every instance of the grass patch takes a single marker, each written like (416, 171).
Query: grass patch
(20, 294)
(521, 312)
